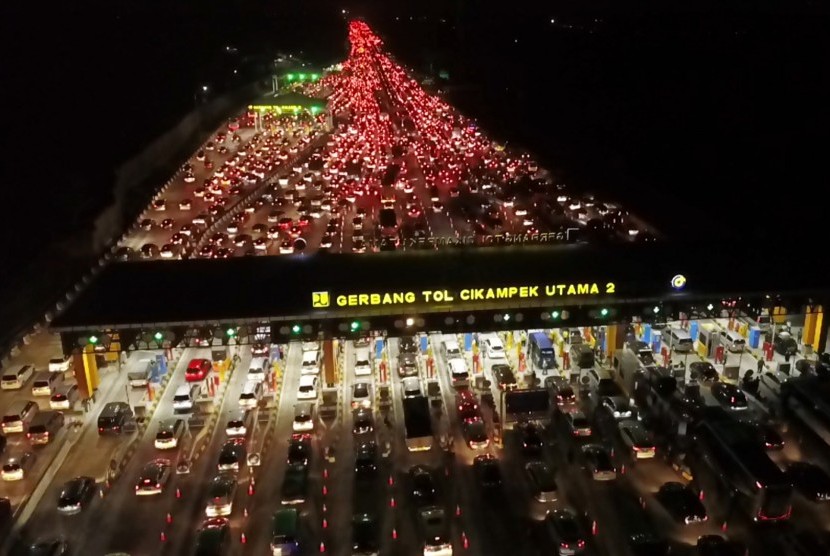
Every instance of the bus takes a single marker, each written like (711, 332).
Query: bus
(540, 352)
(728, 455)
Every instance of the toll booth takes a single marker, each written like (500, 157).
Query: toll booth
(709, 339)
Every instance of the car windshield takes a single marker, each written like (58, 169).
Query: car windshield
(9, 467)
(361, 390)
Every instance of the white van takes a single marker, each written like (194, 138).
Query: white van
(311, 363)
(732, 341)
(19, 415)
(450, 349)
(492, 347)
(362, 363)
(46, 383)
(678, 340)
(308, 388)
(459, 375)
(185, 397)
(251, 394)
(16, 377)
(258, 369)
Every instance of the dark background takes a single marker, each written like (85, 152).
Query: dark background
(708, 118)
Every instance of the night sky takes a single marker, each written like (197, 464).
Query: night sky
(711, 119)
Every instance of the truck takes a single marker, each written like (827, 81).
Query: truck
(417, 424)
(140, 374)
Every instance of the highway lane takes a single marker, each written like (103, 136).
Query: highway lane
(180, 190)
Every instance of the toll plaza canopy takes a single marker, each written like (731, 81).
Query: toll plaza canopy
(288, 102)
(580, 277)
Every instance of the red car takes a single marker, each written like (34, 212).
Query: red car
(197, 370)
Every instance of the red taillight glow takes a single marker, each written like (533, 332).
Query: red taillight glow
(581, 544)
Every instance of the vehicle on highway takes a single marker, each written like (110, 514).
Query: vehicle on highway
(705, 371)
(299, 449)
(634, 528)
(542, 482)
(467, 406)
(60, 364)
(770, 382)
(434, 531)
(75, 494)
(540, 354)
(198, 370)
(169, 433)
(65, 397)
(417, 424)
(233, 455)
(407, 365)
(239, 423)
(365, 535)
(564, 531)
(475, 434)
(578, 424)
(504, 377)
(423, 487)
(365, 461)
(597, 461)
(636, 439)
(492, 346)
(16, 377)
(411, 387)
(361, 395)
(153, 477)
(285, 532)
(294, 485)
(259, 368)
(311, 360)
(487, 471)
(44, 427)
(46, 383)
(716, 545)
(185, 397)
(729, 396)
(681, 502)
(213, 537)
(530, 439)
(19, 414)
(221, 492)
(617, 406)
(303, 417)
(16, 466)
(307, 390)
(561, 390)
(140, 375)
(362, 362)
(251, 394)
(48, 547)
(363, 421)
(810, 480)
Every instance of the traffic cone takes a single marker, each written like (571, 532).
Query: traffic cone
(322, 546)
(163, 537)
(324, 508)
(325, 523)
(169, 518)
(392, 502)
(243, 538)
(251, 488)
(394, 534)
(465, 541)
(245, 512)
(326, 473)
(391, 480)
(325, 490)
(178, 492)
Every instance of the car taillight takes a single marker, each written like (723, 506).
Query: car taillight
(100, 429)
(564, 545)
(581, 544)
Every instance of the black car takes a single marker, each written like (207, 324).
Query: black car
(75, 494)
(487, 471)
(365, 534)
(363, 421)
(715, 545)
(233, 454)
(563, 392)
(504, 377)
(530, 439)
(563, 529)
(770, 437)
(683, 505)
(294, 484)
(365, 461)
(52, 547)
(475, 434)
(729, 396)
(810, 480)
(706, 372)
(423, 487)
(299, 449)
(213, 537)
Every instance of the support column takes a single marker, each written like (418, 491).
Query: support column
(613, 339)
(328, 363)
(85, 370)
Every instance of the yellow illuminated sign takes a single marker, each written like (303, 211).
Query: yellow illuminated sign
(438, 297)
(320, 300)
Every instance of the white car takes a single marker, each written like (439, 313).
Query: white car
(492, 347)
(303, 417)
(59, 364)
(258, 369)
(362, 365)
(15, 467)
(311, 363)
(308, 388)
